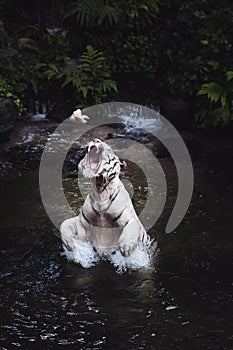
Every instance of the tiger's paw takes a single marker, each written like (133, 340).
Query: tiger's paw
(127, 248)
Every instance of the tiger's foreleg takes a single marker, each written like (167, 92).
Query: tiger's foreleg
(132, 233)
(71, 231)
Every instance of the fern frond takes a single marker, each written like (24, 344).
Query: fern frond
(90, 13)
(108, 13)
(213, 90)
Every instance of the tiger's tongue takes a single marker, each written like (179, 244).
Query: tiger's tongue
(94, 158)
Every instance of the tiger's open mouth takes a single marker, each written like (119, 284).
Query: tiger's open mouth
(94, 158)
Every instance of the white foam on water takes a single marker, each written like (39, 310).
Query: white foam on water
(139, 258)
(85, 255)
(38, 117)
(140, 122)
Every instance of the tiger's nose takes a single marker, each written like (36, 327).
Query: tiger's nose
(97, 141)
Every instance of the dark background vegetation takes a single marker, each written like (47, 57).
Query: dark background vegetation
(144, 51)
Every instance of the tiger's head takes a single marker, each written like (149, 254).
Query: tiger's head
(100, 162)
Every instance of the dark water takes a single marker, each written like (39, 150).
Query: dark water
(185, 303)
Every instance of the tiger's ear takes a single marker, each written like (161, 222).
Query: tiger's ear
(123, 163)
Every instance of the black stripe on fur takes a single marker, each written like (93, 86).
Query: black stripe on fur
(118, 216)
(85, 217)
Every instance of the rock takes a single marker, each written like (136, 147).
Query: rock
(8, 115)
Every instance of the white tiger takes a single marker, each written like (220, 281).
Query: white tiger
(107, 219)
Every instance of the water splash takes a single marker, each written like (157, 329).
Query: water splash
(138, 259)
(133, 124)
(85, 255)
(39, 110)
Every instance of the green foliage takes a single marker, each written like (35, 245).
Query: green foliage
(127, 58)
(219, 102)
(5, 91)
(3, 36)
(106, 24)
(89, 77)
(121, 29)
(214, 92)
(181, 49)
(110, 13)
(21, 73)
(91, 13)
(95, 75)
(10, 87)
(42, 66)
(195, 51)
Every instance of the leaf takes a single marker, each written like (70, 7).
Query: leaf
(54, 67)
(34, 86)
(108, 13)
(213, 64)
(223, 100)
(213, 91)
(144, 7)
(72, 11)
(220, 116)
(229, 75)
(84, 91)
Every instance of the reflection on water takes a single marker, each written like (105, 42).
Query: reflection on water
(49, 302)
(184, 302)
